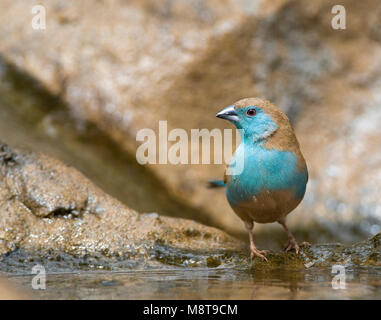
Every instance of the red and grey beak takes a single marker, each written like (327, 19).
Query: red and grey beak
(228, 113)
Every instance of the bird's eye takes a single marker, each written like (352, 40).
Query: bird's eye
(251, 112)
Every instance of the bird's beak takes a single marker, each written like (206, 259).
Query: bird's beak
(228, 113)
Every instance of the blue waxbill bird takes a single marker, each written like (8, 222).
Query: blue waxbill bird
(273, 179)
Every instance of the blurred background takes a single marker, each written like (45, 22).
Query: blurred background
(80, 89)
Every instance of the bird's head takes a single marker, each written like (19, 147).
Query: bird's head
(258, 118)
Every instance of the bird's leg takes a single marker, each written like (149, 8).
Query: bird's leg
(253, 249)
(291, 244)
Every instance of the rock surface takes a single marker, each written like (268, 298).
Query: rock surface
(114, 67)
(364, 253)
(51, 210)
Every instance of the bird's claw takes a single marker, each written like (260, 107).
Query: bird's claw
(292, 244)
(258, 253)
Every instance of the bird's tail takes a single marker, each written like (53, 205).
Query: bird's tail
(215, 184)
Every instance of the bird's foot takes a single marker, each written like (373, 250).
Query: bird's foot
(258, 253)
(291, 244)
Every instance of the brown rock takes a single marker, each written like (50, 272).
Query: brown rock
(47, 207)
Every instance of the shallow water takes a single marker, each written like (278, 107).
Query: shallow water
(361, 283)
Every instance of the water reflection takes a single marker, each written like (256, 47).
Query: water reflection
(362, 283)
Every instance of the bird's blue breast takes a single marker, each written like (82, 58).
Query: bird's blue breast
(264, 170)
